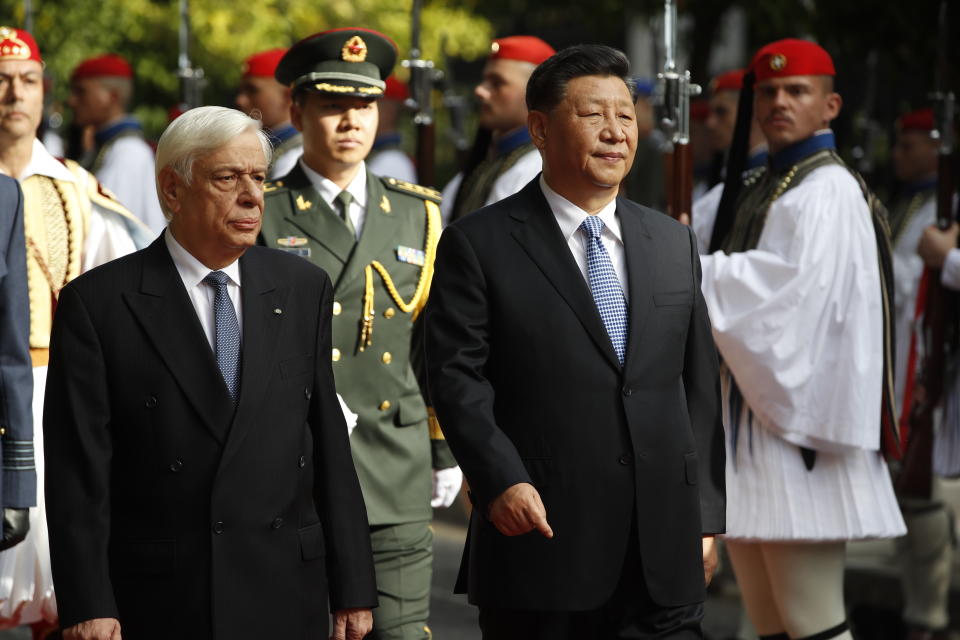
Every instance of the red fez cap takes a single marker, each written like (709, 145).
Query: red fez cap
(17, 44)
(108, 65)
(263, 64)
(395, 90)
(729, 81)
(699, 110)
(792, 57)
(919, 120)
(523, 48)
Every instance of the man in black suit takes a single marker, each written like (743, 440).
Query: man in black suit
(199, 479)
(572, 367)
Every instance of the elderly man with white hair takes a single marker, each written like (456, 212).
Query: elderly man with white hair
(200, 482)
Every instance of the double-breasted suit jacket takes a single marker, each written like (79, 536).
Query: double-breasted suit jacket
(381, 379)
(528, 388)
(169, 508)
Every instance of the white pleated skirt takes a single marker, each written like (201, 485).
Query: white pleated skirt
(771, 496)
(26, 582)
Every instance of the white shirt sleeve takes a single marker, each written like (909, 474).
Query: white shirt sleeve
(393, 163)
(128, 171)
(516, 177)
(704, 215)
(449, 195)
(799, 319)
(950, 274)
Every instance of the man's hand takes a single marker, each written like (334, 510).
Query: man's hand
(16, 524)
(446, 486)
(351, 624)
(710, 558)
(936, 244)
(96, 629)
(519, 510)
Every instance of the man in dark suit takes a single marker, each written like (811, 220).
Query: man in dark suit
(18, 480)
(199, 480)
(572, 366)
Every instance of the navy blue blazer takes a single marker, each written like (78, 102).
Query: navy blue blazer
(18, 479)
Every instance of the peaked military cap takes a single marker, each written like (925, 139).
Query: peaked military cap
(346, 62)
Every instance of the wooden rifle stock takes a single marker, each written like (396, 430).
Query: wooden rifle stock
(426, 136)
(679, 176)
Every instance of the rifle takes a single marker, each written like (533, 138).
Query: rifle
(939, 306)
(867, 130)
(421, 88)
(676, 89)
(191, 78)
(456, 106)
(28, 15)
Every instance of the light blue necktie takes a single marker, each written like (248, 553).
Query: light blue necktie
(227, 335)
(605, 286)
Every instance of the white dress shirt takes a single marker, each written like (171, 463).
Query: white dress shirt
(201, 294)
(569, 216)
(329, 192)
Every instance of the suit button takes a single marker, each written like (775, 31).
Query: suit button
(218, 527)
(336, 355)
(176, 466)
(627, 391)
(337, 308)
(151, 402)
(625, 459)
(277, 523)
(302, 462)
(385, 405)
(388, 313)
(387, 357)
(307, 393)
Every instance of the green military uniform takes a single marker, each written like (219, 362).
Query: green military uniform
(394, 445)
(381, 281)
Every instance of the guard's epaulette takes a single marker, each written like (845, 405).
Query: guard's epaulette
(412, 189)
(272, 185)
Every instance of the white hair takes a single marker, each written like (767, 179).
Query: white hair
(200, 131)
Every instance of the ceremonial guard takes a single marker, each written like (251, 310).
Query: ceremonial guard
(262, 97)
(510, 161)
(100, 92)
(71, 224)
(720, 123)
(799, 305)
(376, 237)
(925, 554)
(388, 157)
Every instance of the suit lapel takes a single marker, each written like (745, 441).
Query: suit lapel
(380, 227)
(170, 321)
(541, 238)
(260, 300)
(641, 268)
(315, 218)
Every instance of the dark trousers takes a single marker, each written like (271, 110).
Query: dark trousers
(629, 613)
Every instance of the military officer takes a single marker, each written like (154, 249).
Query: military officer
(376, 237)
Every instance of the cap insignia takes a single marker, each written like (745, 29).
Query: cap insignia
(494, 47)
(778, 62)
(13, 47)
(355, 50)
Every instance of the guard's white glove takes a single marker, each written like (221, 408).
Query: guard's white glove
(348, 415)
(446, 486)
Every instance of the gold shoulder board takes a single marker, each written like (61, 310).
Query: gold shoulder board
(412, 189)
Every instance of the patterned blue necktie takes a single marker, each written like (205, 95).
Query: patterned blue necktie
(227, 335)
(605, 286)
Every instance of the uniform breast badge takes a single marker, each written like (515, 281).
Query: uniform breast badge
(411, 255)
(295, 245)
